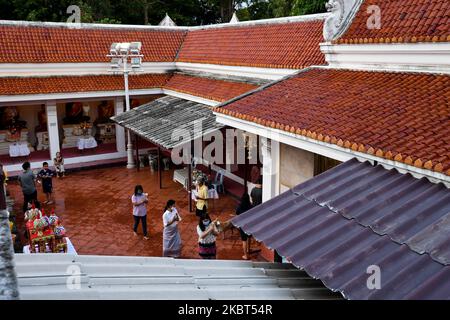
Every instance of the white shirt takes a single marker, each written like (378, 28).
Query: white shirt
(168, 216)
(210, 238)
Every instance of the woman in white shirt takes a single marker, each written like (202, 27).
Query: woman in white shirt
(171, 236)
(207, 233)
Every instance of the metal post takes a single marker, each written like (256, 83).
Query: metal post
(137, 152)
(130, 162)
(8, 280)
(159, 168)
(190, 185)
(245, 169)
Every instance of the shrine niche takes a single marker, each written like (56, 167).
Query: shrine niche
(13, 133)
(41, 130)
(105, 128)
(76, 124)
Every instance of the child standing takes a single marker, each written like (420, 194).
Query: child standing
(58, 161)
(46, 177)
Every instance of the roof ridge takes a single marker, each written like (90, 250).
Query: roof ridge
(291, 19)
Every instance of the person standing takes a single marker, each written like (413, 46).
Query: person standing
(139, 200)
(27, 183)
(201, 198)
(244, 206)
(46, 176)
(207, 233)
(58, 162)
(256, 193)
(171, 236)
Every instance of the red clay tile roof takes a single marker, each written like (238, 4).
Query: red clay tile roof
(218, 90)
(37, 44)
(67, 84)
(282, 45)
(406, 21)
(398, 116)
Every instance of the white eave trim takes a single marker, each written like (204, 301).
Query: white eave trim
(239, 71)
(190, 97)
(421, 57)
(327, 149)
(76, 95)
(74, 69)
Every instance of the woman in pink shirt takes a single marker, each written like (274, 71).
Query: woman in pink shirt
(140, 200)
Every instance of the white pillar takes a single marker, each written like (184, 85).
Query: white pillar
(52, 127)
(271, 168)
(120, 131)
(130, 158)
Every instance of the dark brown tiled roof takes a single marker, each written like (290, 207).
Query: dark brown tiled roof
(407, 21)
(66, 84)
(39, 44)
(281, 45)
(219, 90)
(398, 116)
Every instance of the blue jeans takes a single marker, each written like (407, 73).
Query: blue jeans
(144, 224)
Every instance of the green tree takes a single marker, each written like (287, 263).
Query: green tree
(301, 7)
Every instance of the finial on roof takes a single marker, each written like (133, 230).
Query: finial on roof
(341, 15)
(167, 22)
(234, 18)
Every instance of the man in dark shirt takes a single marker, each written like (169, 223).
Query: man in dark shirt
(256, 193)
(26, 180)
(46, 176)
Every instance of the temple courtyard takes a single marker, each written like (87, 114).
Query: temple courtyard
(96, 210)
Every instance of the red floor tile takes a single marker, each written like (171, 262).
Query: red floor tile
(95, 208)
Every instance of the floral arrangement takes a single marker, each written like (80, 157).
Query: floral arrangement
(45, 229)
(85, 126)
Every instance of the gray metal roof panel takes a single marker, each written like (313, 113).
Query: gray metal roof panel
(165, 119)
(328, 227)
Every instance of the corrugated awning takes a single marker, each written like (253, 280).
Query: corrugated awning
(164, 120)
(338, 224)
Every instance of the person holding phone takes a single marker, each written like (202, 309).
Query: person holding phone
(139, 201)
(207, 231)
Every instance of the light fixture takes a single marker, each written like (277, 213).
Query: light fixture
(136, 63)
(116, 63)
(135, 48)
(114, 50)
(124, 48)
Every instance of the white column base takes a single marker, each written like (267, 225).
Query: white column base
(130, 158)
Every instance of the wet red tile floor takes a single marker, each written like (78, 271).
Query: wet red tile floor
(95, 208)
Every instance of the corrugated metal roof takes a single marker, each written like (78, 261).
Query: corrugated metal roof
(355, 215)
(106, 277)
(164, 119)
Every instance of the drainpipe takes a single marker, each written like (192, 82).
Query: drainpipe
(8, 281)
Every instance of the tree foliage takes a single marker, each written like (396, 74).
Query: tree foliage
(183, 12)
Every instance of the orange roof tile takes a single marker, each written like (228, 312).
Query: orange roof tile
(68, 84)
(281, 45)
(218, 90)
(45, 44)
(399, 116)
(405, 21)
